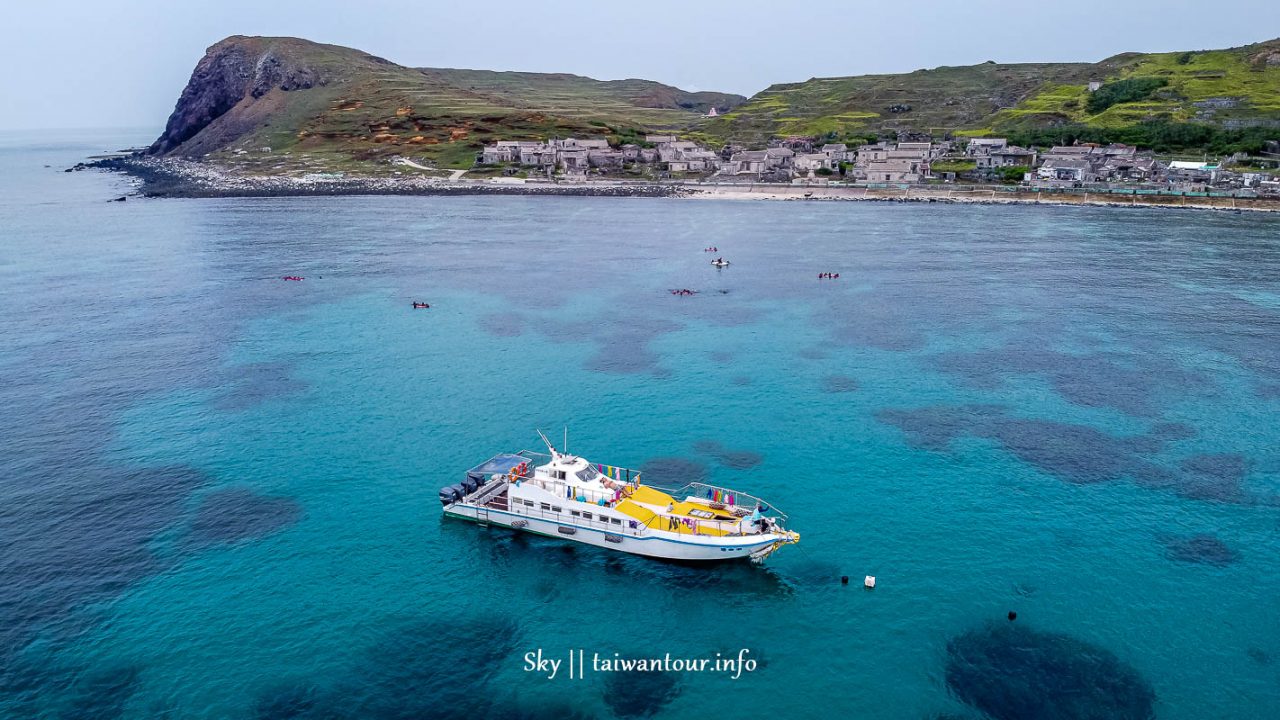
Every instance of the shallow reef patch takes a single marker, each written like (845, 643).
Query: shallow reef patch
(433, 668)
(673, 471)
(236, 514)
(734, 459)
(252, 385)
(1200, 549)
(640, 694)
(1012, 672)
(839, 384)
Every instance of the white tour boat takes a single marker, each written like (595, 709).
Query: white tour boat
(564, 496)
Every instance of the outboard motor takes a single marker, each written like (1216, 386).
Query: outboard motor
(459, 490)
(469, 484)
(448, 495)
(478, 477)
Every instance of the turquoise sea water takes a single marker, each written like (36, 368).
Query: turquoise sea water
(218, 489)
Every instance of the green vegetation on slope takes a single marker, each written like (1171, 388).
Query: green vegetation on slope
(1155, 97)
(939, 100)
(1145, 97)
(1123, 91)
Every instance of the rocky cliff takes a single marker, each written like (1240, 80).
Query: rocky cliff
(235, 88)
(248, 93)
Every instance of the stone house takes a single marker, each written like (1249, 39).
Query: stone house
(580, 144)
(500, 153)
(1007, 156)
(572, 160)
(926, 150)
(778, 158)
(537, 155)
(1067, 169)
(1133, 168)
(702, 161)
(809, 162)
(897, 170)
(871, 153)
(748, 162)
(981, 147)
(837, 153)
(608, 159)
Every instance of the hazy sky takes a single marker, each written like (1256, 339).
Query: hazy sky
(95, 63)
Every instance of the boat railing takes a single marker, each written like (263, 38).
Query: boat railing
(740, 499)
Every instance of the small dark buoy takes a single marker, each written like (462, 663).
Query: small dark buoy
(1012, 616)
(844, 579)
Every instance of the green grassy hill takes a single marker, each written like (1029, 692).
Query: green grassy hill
(1228, 91)
(340, 105)
(337, 106)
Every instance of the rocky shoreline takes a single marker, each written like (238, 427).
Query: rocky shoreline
(175, 178)
(178, 178)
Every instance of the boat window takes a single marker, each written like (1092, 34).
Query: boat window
(586, 515)
(557, 474)
(589, 474)
(556, 509)
(546, 506)
(615, 521)
(574, 513)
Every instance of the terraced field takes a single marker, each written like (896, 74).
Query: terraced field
(1232, 88)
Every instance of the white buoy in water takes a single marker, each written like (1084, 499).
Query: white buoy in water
(870, 582)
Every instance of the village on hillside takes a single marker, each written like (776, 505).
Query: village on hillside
(909, 160)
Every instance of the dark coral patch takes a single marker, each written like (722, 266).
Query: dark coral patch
(1260, 656)
(287, 702)
(1011, 672)
(839, 384)
(503, 325)
(1217, 476)
(673, 471)
(1202, 549)
(640, 694)
(740, 380)
(232, 515)
(255, 384)
(812, 353)
(1078, 453)
(723, 357)
(1129, 384)
(79, 543)
(436, 669)
(102, 693)
(734, 459)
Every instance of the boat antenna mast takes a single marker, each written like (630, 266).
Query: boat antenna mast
(550, 448)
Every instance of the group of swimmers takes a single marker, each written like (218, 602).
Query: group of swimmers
(828, 276)
(420, 305)
(711, 249)
(292, 277)
(684, 291)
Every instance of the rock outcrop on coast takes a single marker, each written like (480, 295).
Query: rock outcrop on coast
(272, 94)
(237, 87)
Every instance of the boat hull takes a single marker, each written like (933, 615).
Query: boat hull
(646, 545)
